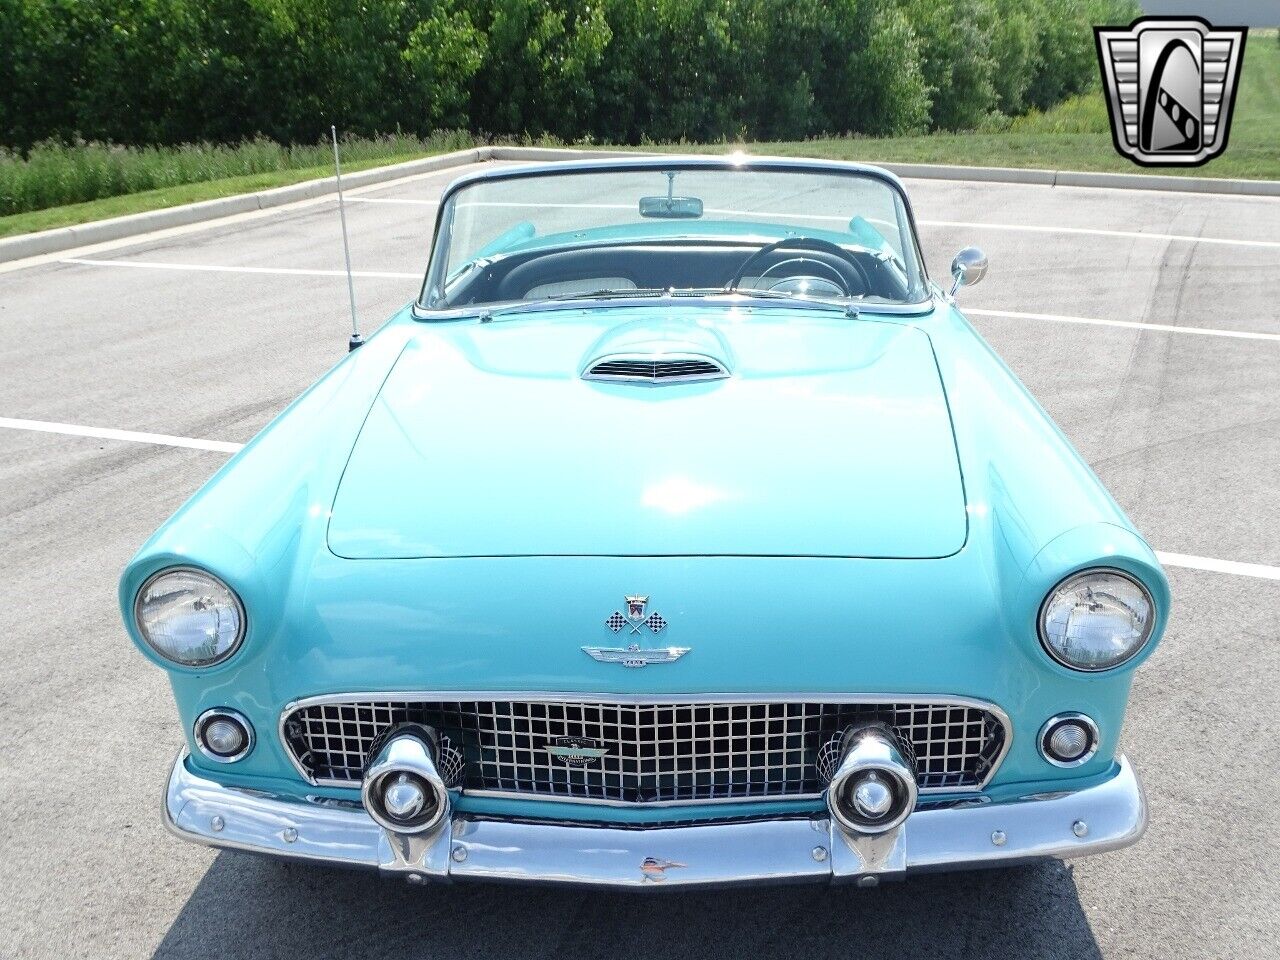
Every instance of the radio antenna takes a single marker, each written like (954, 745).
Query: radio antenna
(356, 340)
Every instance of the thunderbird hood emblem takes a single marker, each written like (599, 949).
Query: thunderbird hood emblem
(635, 622)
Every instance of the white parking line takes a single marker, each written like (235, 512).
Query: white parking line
(106, 433)
(977, 225)
(1256, 570)
(211, 268)
(383, 275)
(386, 275)
(1091, 232)
(1126, 324)
(218, 223)
(965, 224)
(1259, 570)
(394, 200)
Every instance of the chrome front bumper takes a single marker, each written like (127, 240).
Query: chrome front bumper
(1105, 817)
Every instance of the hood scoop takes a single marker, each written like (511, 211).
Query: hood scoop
(657, 353)
(655, 370)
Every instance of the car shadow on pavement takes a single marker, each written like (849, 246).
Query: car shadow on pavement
(248, 907)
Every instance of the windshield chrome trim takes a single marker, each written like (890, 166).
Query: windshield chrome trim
(664, 162)
(488, 312)
(667, 161)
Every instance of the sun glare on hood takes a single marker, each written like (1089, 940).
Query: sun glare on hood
(679, 495)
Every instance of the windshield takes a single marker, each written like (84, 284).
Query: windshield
(793, 233)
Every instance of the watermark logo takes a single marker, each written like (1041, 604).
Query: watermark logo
(1171, 85)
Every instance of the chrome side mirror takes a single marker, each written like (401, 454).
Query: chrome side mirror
(969, 266)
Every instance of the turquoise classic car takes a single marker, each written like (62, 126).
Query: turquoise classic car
(681, 532)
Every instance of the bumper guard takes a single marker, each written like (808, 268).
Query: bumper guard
(1104, 817)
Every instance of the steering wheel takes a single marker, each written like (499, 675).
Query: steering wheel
(831, 276)
(801, 243)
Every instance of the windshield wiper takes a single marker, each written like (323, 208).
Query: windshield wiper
(848, 307)
(607, 294)
(749, 292)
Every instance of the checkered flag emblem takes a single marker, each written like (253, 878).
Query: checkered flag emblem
(635, 618)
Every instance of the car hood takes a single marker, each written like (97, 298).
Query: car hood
(830, 437)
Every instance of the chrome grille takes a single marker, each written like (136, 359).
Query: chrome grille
(655, 371)
(654, 752)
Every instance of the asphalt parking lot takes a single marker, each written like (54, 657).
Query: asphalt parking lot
(207, 333)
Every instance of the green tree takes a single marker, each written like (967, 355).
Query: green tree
(873, 80)
(444, 52)
(1015, 50)
(541, 54)
(174, 71)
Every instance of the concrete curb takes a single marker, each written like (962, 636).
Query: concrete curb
(935, 171)
(102, 231)
(556, 154)
(1078, 178)
(1143, 181)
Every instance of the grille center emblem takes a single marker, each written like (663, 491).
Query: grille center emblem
(635, 622)
(577, 751)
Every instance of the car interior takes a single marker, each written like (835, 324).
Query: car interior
(795, 265)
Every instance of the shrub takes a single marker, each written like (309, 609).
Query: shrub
(54, 173)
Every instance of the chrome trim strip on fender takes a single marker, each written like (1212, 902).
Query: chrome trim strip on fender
(640, 700)
(1104, 817)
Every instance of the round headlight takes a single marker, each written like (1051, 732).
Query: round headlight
(189, 616)
(1096, 620)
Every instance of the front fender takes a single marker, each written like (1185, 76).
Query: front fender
(269, 504)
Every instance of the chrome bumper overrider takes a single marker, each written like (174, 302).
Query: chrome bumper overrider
(1105, 817)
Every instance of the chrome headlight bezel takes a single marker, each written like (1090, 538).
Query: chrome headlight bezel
(140, 624)
(1070, 581)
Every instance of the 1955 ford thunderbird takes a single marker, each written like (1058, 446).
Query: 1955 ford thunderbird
(681, 532)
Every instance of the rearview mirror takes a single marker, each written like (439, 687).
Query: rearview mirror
(969, 266)
(671, 208)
